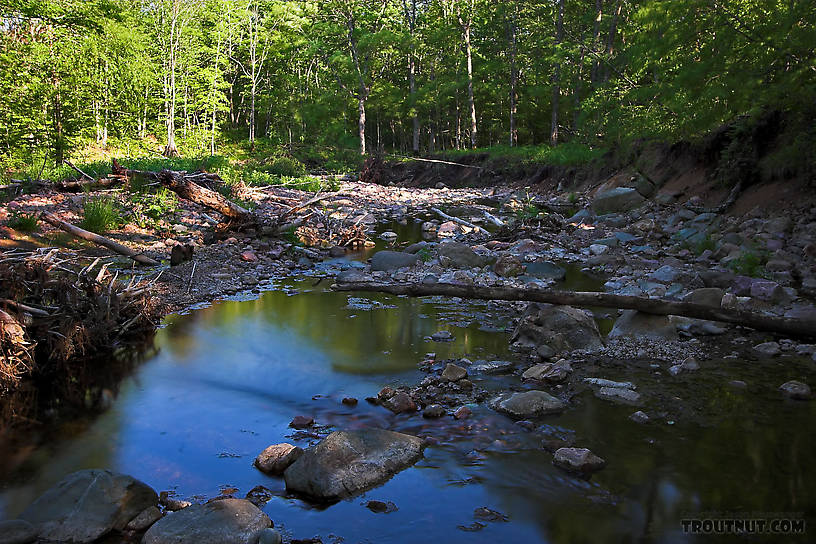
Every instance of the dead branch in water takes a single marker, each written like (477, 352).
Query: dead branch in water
(783, 325)
(468, 224)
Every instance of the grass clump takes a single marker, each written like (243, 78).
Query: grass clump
(101, 214)
(749, 263)
(147, 209)
(23, 222)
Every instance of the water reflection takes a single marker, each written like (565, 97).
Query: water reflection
(227, 379)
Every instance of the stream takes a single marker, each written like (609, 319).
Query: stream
(226, 379)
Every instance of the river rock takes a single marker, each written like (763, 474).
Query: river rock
(666, 274)
(618, 394)
(492, 367)
(527, 404)
(346, 463)
(458, 255)
(707, 296)
(301, 422)
(442, 336)
(561, 328)
(434, 411)
(88, 504)
(579, 460)
(400, 402)
(508, 266)
(277, 458)
(619, 199)
(145, 519)
(796, 390)
(17, 531)
(270, 536)
(463, 412)
(639, 417)
(386, 260)
(769, 291)
(603, 382)
(768, 349)
(548, 372)
(224, 521)
(634, 324)
(453, 373)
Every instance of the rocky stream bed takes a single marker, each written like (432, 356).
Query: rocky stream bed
(270, 400)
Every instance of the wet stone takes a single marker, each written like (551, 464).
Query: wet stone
(225, 521)
(639, 417)
(527, 404)
(796, 390)
(618, 394)
(349, 401)
(145, 519)
(301, 422)
(442, 336)
(579, 460)
(462, 413)
(484, 513)
(492, 367)
(399, 403)
(453, 373)
(277, 458)
(434, 411)
(381, 507)
(270, 536)
(767, 349)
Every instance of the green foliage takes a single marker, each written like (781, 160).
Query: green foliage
(22, 222)
(101, 214)
(147, 209)
(424, 254)
(286, 167)
(707, 243)
(528, 212)
(749, 263)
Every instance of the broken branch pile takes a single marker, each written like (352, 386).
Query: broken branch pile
(53, 311)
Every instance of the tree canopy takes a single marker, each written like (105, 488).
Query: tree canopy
(391, 75)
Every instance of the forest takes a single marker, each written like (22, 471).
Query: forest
(325, 271)
(200, 77)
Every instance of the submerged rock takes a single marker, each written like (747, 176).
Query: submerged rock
(493, 367)
(434, 411)
(561, 328)
(224, 521)
(639, 417)
(618, 394)
(277, 458)
(527, 404)
(442, 336)
(88, 504)
(579, 460)
(347, 463)
(796, 390)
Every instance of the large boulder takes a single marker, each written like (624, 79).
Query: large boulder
(619, 199)
(458, 255)
(527, 404)
(223, 521)
(88, 504)
(347, 463)
(634, 324)
(384, 261)
(561, 328)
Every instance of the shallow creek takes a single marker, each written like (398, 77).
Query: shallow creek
(227, 378)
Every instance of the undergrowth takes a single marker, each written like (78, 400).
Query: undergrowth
(101, 214)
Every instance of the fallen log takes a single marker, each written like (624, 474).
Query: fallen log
(97, 239)
(760, 322)
(468, 224)
(177, 182)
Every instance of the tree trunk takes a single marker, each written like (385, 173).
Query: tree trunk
(789, 326)
(176, 182)
(97, 239)
(559, 33)
(610, 42)
(512, 35)
(596, 36)
(471, 102)
(361, 122)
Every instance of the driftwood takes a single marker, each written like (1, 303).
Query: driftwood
(97, 239)
(468, 224)
(761, 322)
(727, 203)
(181, 185)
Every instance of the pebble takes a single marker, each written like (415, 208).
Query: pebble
(639, 417)
(462, 413)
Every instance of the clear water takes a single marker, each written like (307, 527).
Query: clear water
(226, 380)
